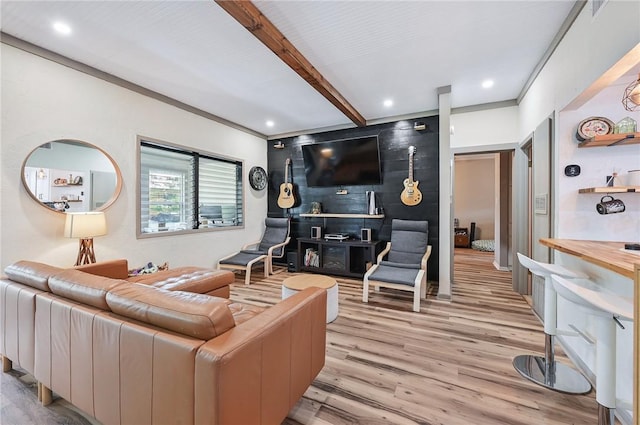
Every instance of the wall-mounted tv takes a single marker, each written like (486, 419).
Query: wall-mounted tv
(343, 162)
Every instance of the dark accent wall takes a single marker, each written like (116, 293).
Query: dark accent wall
(394, 140)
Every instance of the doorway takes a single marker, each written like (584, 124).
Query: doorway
(482, 204)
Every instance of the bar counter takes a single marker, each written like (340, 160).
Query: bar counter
(609, 255)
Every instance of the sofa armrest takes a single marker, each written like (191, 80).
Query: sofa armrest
(115, 269)
(257, 371)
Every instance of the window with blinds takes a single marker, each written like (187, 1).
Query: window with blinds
(184, 190)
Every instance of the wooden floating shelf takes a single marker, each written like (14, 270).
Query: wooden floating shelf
(611, 189)
(327, 215)
(611, 140)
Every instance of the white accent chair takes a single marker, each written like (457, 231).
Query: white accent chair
(406, 267)
(275, 238)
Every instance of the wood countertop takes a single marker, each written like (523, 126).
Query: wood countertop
(609, 255)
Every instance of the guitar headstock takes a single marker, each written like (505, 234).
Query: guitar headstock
(412, 150)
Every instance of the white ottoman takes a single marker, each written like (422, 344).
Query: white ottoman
(292, 285)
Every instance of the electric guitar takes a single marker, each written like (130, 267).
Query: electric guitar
(411, 195)
(286, 198)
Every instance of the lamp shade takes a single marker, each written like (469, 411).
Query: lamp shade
(85, 225)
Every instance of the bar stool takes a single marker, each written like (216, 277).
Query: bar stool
(545, 370)
(608, 309)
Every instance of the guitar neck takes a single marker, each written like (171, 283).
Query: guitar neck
(286, 171)
(410, 167)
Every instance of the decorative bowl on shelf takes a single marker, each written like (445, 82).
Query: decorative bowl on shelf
(594, 126)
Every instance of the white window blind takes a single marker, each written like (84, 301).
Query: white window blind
(182, 189)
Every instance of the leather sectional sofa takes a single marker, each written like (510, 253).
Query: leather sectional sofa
(126, 352)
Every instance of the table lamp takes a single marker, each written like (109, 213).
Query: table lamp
(85, 225)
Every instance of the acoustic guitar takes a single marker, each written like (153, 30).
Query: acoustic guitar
(286, 198)
(411, 195)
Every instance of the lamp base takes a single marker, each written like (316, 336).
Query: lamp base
(85, 253)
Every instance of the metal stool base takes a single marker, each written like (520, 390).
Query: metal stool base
(558, 377)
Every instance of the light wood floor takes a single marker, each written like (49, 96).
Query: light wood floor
(449, 364)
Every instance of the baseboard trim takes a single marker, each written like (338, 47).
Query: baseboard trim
(444, 297)
(499, 267)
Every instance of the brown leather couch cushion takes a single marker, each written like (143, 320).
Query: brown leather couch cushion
(31, 274)
(115, 269)
(84, 287)
(195, 315)
(190, 279)
(242, 312)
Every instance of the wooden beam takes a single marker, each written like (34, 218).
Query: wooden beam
(248, 15)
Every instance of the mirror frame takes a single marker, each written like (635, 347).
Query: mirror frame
(110, 201)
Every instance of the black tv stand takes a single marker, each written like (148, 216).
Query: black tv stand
(350, 257)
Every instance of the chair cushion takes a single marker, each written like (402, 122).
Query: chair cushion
(242, 258)
(409, 240)
(254, 252)
(275, 232)
(401, 265)
(400, 275)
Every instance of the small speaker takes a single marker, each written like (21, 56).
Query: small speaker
(292, 261)
(365, 235)
(316, 232)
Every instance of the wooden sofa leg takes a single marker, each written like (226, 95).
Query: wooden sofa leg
(7, 364)
(46, 395)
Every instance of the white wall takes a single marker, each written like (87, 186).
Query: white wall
(43, 101)
(485, 127)
(577, 215)
(474, 193)
(590, 47)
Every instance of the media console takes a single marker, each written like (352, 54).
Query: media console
(349, 257)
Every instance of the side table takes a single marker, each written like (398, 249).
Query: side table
(294, 284)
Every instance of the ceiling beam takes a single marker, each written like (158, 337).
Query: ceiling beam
(248, 15)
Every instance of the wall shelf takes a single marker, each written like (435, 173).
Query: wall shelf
(328, 215)
(611, 140)
(611, 189)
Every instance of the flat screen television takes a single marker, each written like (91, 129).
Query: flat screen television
(346, 162)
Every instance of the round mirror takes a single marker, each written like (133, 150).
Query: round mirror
(71, 176)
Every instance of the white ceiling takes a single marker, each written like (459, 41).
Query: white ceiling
(194, 52)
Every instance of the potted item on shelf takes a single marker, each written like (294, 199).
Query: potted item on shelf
(625, 125)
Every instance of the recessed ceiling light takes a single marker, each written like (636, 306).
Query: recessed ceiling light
(487, 84)
(388, 103)
(62, 28)
(270, 123)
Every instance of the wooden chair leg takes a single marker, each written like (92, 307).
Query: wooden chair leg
(7, 364)
(46, 395)
(416, 297)
(247, 276)
(365, 291)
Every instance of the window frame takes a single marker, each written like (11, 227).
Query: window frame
(189, 151)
